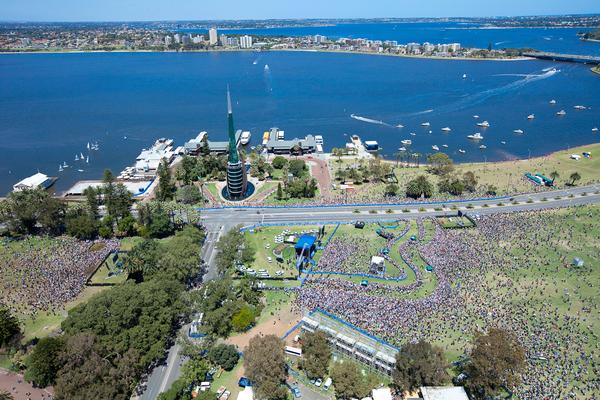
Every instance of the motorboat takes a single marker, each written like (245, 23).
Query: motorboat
(552, 101)
(435, 147)
(402, 149)
(79, 170)
(446, 129)
(266, 67)
(65, 165)
(413, 134)
(76, 157)
(519, 131)
(484, 124)
(425, 124)
(580, 107)
(476, 116)
(430, 131)
(561, 113)
(461, 151)
(399, 126)
(245, 138)
(502, 142)
(464, 76)
(475, 136)
(531, 116)
(483, 147)
(406, 142)
(445, 146)
(594, 129)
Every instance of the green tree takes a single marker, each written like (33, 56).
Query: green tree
(194, 371)
(142, 259)
(189, 194)
(497, 360)
(92, 200)
(9, 326)
(469, 181)
(419, 187)
(440, 164)
(81, 226)
(451, 185)
(43, 363)
(224, 355)
(391, 189)
(243, 319)
(166, 187)
(419, 364)
(279, 191)
(26, 209)
(127, 226)
(264, 363)
(574, 177)
(554, 175)
(279, 162)
(4, 395)
(186, 170)
(297, 168)
(348, 381)
(316, 354)
(160, 225)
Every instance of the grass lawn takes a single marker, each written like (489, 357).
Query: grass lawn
(265, 186)
(506, 176)
(276, 301)
(229, 379)
(102, 274)
(212, 188)
(263, 240)
(273, 201)
(45, 322)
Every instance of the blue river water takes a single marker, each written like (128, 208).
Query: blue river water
(52, 105)
(559, 40)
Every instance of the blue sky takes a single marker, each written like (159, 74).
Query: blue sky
(140, 10)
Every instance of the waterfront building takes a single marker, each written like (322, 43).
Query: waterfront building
(212, 36)
(428, 47)
(455, 47)
(233, 42)
(198, 39)
(168, 40)
(246, 42)
(186, 40)
(223, 39)
(177, 38)
(35, 181)
(320, 39)
(237, 181)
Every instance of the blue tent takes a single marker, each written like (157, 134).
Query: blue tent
(306, 245)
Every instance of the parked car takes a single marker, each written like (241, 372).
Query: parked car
(318, 382)
(296, 392)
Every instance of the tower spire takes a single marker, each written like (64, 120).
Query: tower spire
(229, 109)
(233, 153)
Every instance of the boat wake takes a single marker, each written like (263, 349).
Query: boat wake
(418, 113)
(365, 119)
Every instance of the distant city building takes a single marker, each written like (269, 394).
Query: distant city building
(246, 42)
(455, 46)
(428, 47)
(186, 40)
(198, 39)
(168, 40)
(320, 39)
(223, 40)
(177, 38)
(212, 36)
(233, 42)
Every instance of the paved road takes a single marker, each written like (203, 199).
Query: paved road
(220, 220)
(162, 377)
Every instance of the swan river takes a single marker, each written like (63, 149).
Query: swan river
(52, 105)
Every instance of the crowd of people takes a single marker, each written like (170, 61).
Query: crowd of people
(509, 272)
(42, 274)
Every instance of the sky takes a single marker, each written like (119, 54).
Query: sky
(152, 10)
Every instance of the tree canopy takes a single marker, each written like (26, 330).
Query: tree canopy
(316, 354)
(9, 326)
(264, 362)
(497, 360)
(224, 355)
(419, 187)
(419, 364)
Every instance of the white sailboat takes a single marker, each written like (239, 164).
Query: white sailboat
(81, 156)
(464, 76)
(65, 165)
(88, 145)
(60, 168)
(76, 157)
(87, 160)
(435, 147)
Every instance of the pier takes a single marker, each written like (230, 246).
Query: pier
(574, 58)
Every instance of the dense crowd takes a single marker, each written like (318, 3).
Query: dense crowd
(42, 274)
(500, 274)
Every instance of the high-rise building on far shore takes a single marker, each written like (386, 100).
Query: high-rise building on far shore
(213, 38)
(237, 181)
(246, 42)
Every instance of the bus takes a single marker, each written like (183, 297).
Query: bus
(293, 351)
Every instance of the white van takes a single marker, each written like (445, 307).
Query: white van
(327, 384)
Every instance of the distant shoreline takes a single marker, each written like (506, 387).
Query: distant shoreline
(272, 51)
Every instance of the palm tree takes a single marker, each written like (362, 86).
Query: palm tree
(574, 177)
(554, 175)
(4, 395)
